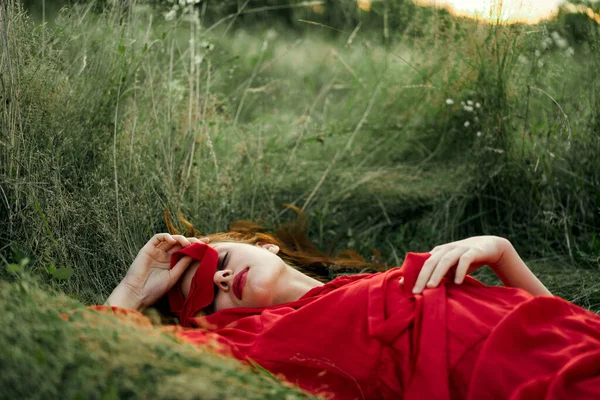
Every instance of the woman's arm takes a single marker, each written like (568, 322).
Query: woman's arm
(470, 254)
(149, 276)
(513, 272)
(123, 297)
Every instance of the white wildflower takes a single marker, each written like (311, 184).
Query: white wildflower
(562, 43)
(170, 15)
(540, 64)
(449, 102)
(207, 45)
(176, 89)
(538, 53)
(174, 84)
(479, 133)
(467, 124)
(478, 105)
(470, 102)
(523, 59)
(468, 108)
(559, 41)
(462, 103)
(271, 34)
(547, 43)
(570, 52)
(198, 60)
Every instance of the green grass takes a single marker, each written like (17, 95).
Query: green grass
(110, 118)
(94, 357)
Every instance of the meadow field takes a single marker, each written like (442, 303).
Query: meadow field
(393, 130)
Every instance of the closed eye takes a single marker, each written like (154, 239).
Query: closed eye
(223, 263)
(211, 308)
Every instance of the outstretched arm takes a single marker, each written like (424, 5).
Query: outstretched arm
(470, 254)
(513, 272)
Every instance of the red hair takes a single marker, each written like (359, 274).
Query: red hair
(295, 248)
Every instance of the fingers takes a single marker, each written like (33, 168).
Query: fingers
(184, 262)
(160, 238)
(204, 240)
(178, 269)
(466, 255)
(426, 271)
(181, 242)
(463, 265)
(443, 259)
(172, 243)
(448, 260)
(172, 246)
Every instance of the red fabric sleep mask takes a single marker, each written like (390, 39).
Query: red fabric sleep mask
(202, 291)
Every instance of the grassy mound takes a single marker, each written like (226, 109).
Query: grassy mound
(93, 356)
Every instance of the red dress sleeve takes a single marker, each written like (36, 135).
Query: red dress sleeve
(545, 349)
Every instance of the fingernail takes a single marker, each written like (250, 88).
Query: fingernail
(415, 290)
(431, 283)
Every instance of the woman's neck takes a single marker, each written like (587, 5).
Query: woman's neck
(296, 285)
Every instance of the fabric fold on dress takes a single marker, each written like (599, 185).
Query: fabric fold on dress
(369, 337)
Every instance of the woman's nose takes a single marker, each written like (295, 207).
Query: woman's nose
(224, 279)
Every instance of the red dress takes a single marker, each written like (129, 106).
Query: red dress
(368, 337)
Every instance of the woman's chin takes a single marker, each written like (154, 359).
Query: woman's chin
(261, 288)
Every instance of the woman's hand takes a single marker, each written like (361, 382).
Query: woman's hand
(149, 277)
(467, 255)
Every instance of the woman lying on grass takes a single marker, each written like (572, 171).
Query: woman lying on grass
(423, 331)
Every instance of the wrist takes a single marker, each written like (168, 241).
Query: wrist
(505, 254)
(513, 272)
(123, 296)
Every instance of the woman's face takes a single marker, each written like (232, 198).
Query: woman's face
(247, 275)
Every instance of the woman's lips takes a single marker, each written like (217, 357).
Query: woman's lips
(239, 282)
